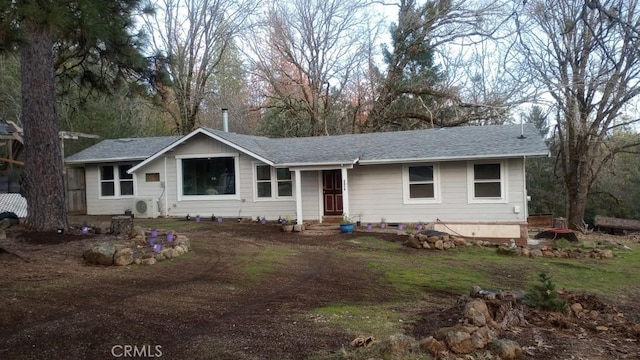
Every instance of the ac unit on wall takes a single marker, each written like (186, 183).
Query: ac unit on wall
(145, 208)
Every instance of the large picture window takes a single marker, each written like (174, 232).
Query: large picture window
(420, 183)
(273, 183)
(115, 182)
(487, 182)
(209, 176)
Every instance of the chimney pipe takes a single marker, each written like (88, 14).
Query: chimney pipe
(225, 119)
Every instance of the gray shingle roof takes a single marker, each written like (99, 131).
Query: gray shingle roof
(417, 145)
(122, 149)
(430, 144)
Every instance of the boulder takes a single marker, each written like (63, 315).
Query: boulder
(459, 342)
(536, 253)
(400, 345)
(459, 241)
(476, 312)
(606, 254)
(170, 253)
(8, 219)
(506, 349)
(432, 346)
(123, 257)
(99, 254)
(148, 261)
(439, 245)
(413, 242)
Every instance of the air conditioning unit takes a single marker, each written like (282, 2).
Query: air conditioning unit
(145, 208)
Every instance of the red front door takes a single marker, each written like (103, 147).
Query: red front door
(332, 192)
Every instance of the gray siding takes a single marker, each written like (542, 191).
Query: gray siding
(376, 191)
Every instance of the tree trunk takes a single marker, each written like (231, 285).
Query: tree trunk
(42, 180)
(576, 201)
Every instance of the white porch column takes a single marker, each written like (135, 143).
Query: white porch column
(298, 187)
(345, 192)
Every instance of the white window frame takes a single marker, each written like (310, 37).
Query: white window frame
(472, 199)
(274, 185)
(117, 193)
(236, 166)
(406, 190)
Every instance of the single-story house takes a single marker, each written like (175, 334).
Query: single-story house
(466, 179)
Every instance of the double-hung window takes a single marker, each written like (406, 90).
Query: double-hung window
(273, 182)
(420, 183)
(115, 181)
(487, 182)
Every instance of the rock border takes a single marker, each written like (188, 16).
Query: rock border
(142, 247)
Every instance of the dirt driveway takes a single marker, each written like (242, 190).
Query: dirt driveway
(243, 292)
(202, 305)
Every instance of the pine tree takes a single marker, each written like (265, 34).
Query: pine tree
(54, 36)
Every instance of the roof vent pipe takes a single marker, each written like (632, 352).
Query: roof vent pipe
(225, 119)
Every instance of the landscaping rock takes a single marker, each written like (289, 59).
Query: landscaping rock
(476, 312)
(439, 244)
(413, 242)
(400, 345)
(432, 346)
(99, 254)
(506, 349)
(459, 342)
(148, 261)
(536, 253)
(123, 257)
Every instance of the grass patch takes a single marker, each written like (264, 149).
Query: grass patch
(381, 320)
(456, 270)
(374, 243)
(264, 262)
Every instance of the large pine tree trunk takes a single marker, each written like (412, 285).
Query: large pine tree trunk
(42, 180)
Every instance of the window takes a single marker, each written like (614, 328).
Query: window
(152, 177)
(114, 181)
(487, 182)
(213, 176)
(263, 176)
(420, 184)
(270, 181)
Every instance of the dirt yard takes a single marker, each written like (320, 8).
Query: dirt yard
(211, 303)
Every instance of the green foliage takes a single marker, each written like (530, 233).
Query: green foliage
(413, 75)
(544, 295)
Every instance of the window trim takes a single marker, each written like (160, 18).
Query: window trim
(117, 193)
(274, 184)
(504, 190)
(406, 192)
(179, 175)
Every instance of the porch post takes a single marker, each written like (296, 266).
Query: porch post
(345, 192)
(298, 187)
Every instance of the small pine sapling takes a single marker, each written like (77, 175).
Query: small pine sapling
(544, 295)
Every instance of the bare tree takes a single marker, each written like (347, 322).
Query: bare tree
(304, 55)
(192, 36)
(586, 55)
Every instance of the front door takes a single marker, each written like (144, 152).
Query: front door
(332, 192)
